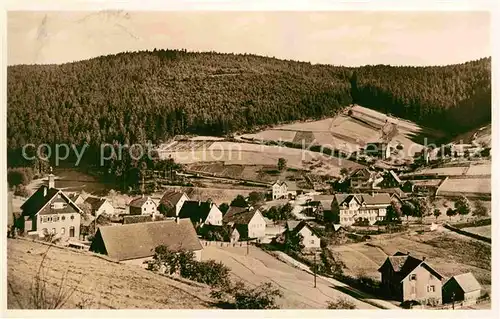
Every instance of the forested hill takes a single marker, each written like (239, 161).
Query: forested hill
(152, 95)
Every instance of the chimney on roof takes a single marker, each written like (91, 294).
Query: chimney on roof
(408, 253)
(423, 258)
(142, 195)
(177, 220)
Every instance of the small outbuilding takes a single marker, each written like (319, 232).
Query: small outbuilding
(463, 287)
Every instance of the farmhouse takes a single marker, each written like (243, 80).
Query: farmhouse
(310, 239)
(249, 221)
(361, 178)
(406, 277)
(380, 150)
(171, 203)
(355, 207)
(283, 189)
(136, 243)
(100, 206)
(142, 206)
(76, 198)
(50, 211)
(391, 179)
(463, 287)
(201, 212)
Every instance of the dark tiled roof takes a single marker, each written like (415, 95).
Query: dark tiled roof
(395, 176)
(403, 264)
(467, 282)
(37, 203)
(139, 201)
(239, 215)
(95, 202)
(132, 241)
(171, 198)
(369, 199)
(195, 210)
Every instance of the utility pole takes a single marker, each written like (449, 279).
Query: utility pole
(314, 269)
(248, 247)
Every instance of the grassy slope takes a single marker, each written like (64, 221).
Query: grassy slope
(103, 284)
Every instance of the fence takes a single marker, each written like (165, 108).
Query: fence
(224, 243)
(466, 233)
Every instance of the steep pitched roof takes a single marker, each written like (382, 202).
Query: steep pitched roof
(195, 210)
(403, 264)
(74, 197)
(467, 282)
(171, 197)
(139, 201)
(139, 240)
(37, 203)
(395, 176)
(291, 186)
(291, 224)
(95, 202)
(361, 172)
(239, 215)
(325, 200)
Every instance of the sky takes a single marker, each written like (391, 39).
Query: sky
(349, 38)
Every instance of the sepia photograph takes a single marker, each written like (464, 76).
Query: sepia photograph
(248, 160)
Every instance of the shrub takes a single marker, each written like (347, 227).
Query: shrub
(21, 190)
(238, 296)
(341, 303)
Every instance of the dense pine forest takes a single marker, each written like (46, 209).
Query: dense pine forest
(140, 96)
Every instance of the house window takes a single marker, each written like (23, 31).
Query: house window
(312, 241)
(431, 288)
(413, 277)
(72, 217)
(63, 218)
(55, 218)
(53, 231)
(144, 208)
(72, 231)
(63, 231)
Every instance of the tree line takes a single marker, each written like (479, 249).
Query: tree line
(135, 97)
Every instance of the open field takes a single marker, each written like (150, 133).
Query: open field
(100, 284)
(481, 230)
(449, 253)
(351, 132)
(466, 186)
(297, 286)
(232, 153)
(472, 170)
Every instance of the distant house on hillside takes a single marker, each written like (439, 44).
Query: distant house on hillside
(283, 189)
(76, 198)
(172, 202)
(100, 206)
(249, 221)
(391, 179)
(142, 206)
(361, 178)
(50, 211)
(380, 150)
(201, 212)
(353, 207)
(135, 243)
(463, 287)
(310, 239)
(406, 277)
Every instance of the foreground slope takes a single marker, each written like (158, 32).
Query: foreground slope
(103, 285)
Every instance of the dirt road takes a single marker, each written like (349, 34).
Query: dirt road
(297, 286)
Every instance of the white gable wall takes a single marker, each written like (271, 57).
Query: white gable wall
(257, 226)
(214, 216)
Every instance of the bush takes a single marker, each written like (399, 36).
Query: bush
(341, 303)
(19, 176)
(238, 296)
(21, 190)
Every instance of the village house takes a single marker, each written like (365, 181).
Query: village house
(353, 207)
(171, 202)
(76, 198)
(380, 150)
(463, 287)
(100, 206)
(390, 180)
(201, 212)
(135, 243)
(143, 205)
(283, 189)
(248, 221)
(50, 211)
(361, 178)
(310, 239)
(406, 277)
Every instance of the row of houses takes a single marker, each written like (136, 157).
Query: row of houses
(408, 278)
